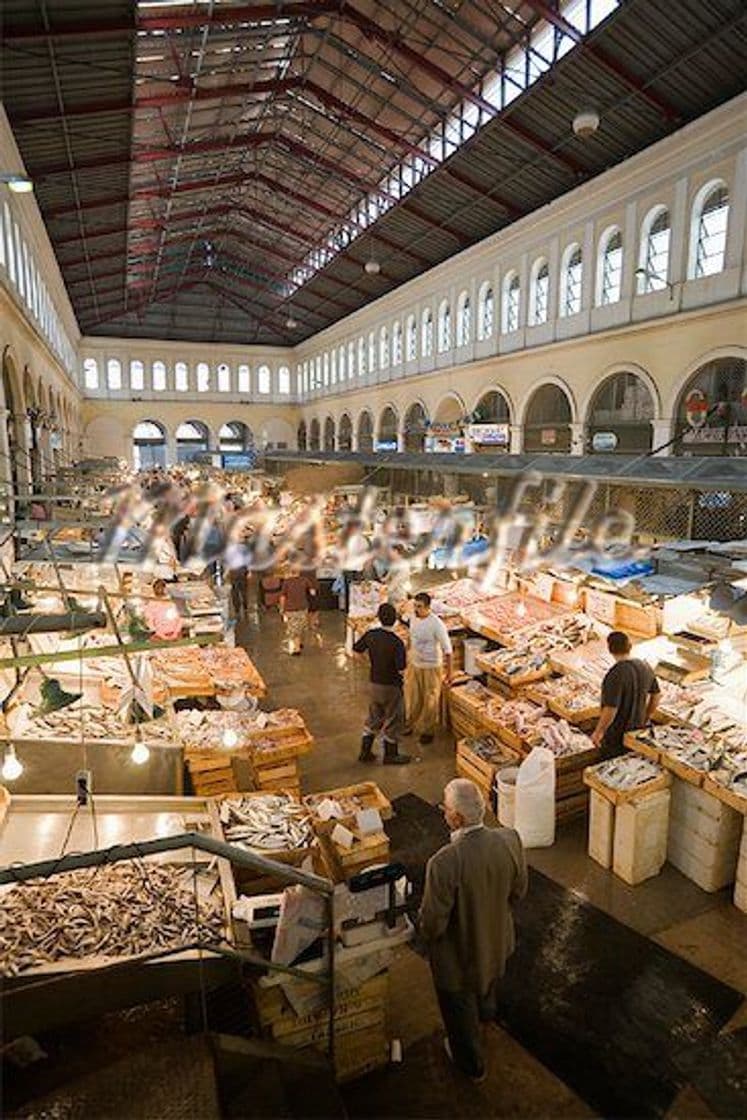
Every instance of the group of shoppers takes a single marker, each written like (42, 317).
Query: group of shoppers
(405, 696)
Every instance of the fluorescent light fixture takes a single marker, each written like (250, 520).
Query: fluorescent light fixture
(19, 184)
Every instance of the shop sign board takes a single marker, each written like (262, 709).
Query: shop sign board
(604, 441)
(489, 435)
(549, 437)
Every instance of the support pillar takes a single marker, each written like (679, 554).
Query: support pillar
(400, 441)
(578, 440)
(170, 449)
(516, 445)
(661, 433)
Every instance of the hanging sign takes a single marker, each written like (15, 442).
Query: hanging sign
(696, 408)
(604, 441)
(489, 435)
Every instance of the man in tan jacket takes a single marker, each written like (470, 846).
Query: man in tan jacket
(466, 919)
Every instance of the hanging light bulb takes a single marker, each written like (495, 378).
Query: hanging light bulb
(140, 754)
(291, 323)
(230, 738)
(372, 266)
(12, 767)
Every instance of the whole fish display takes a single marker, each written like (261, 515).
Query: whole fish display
(731, 772)
(229, 730)
(117, 911)
(572, 693)
(271, 822)
(518, 716)
(230, 667)
(510, 615)
(74, 722)
(489, 749)
(626, 772)
(558, 736)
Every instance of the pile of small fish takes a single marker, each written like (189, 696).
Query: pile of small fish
(118, 911)
(230, 668)
(559, 737)
(271, 821)
(518, 716)
(626, 772)
(75, 721)
(489, 749)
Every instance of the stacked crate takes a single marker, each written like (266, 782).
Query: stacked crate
(210, 772)
(360, 1026)
(247, 880)
(339, 863)
(273, 758)
(704, 836)
(628, 828)
(480, 770)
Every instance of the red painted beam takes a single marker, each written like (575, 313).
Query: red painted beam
(602, 56)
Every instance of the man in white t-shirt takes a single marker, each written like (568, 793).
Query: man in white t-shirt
(429, 667)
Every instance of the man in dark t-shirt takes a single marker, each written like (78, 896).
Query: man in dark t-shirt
(388, 657)
(630, 696)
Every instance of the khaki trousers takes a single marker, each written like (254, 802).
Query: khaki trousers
(422, 698)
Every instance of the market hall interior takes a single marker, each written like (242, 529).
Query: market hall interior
(443, 265)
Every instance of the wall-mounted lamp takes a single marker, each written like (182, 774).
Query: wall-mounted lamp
(19, 184)
(645, 274)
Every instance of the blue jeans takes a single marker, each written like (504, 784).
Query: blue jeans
(462, 1013)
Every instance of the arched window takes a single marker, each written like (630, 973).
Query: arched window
(708, 231)
(539, 293)
(181, 376)
(264, 380)
(489, 430)
(90, 373)
(351, 360)
(203, 377)
(325, 369)
(235, 437)
(333, 367)
(383, 348)
(485, 312)
(365, 432)
(547, 427)
(609, 267)
(371, 352)
(712, 410)
(464, 320)
(329, 434)
(299, 380)
(148, 445)
(653, 271)
(571, 278)
(387, 438)
(301, 435)
(511, 303)
(284, 381)
(114, 374)
(620, 415)
(397, 344)
(244, 380)
(137, 375)
(444, 327)
(345, 433)
(317, 372)
(411, 339)
(361, 356)
(314, 435)
(159, 377)
(341, 372)
(426, 334)
(224, 378)
(414, 428)
(191, 440)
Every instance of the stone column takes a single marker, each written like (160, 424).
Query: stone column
(661, 433)
(170, 448)
(516, 444)
(6, 474)
(577, 438)
(400, 440)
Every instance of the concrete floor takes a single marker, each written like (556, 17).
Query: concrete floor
(331, 690)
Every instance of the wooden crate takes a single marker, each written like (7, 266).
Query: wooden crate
(247, 880)
(642, 619)
(729, 796)
(481, 766)
(639, 742)
(342, 863)
(355, 1008)
(367, 793)
(618, 796)
(210, 774)
(568, 808)
(575, 716)
(277, 776)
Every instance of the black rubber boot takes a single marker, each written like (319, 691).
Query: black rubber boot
(392, 757)
(367, 743)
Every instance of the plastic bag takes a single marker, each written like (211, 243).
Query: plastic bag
(534, 815)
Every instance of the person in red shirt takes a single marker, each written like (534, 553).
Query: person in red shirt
(161, 614)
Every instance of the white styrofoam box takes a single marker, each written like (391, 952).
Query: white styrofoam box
(708, 878)
(601, 829)
(687, 796)
(740, 896)
(718, 828)
(640, 843)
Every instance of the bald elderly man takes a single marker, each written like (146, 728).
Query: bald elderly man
(466, 919)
